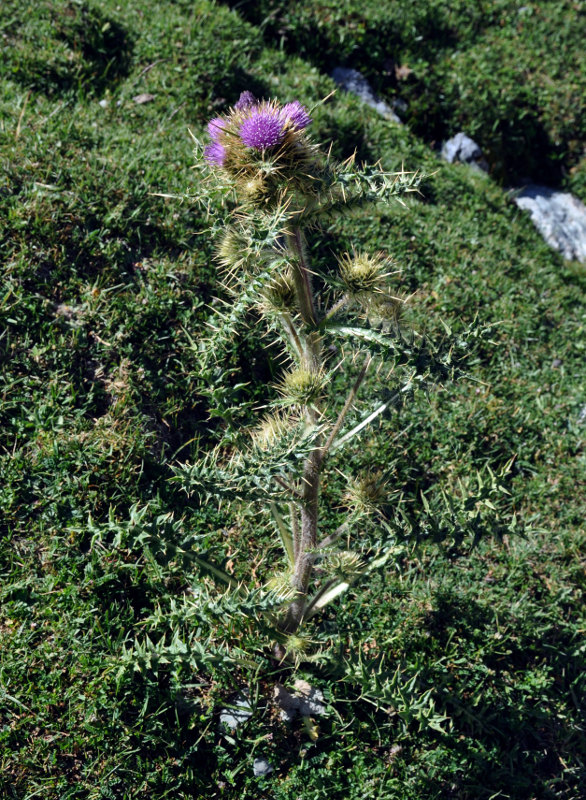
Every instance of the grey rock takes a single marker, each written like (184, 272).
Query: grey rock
(261, 767)
(233, 717)
(354, 82)
(559, 217)
(399, 104)
(288, 703)
(306, 702)
(465, 150)
(144, 97)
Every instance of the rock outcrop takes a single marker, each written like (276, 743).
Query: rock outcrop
(559, 217)
(354, 82)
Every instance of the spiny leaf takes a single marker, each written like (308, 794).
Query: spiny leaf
(251, 474)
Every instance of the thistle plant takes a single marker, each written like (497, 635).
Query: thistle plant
(268, 186)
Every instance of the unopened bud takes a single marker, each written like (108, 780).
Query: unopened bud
(343, 564)
(302, 386)
(362, 273)
(367, 493)
(279, 294)
(232, 249)
(271, 429)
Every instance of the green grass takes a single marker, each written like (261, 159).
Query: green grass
(104, 287)
(510, 74)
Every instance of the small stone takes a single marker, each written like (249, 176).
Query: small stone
(145, 97)
(233, 717)
(463, 149)
(261, 767)
(394, 751)
(306, 702)
(557, 362)
(352, 81)
(288, 703)
(63, 310)
(312, 701)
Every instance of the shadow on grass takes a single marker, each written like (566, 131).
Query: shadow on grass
(74, 47)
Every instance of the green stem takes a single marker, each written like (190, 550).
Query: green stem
(295, 530)
(338, 306)
(305, 299)
(302, 276)
(307, 544)
(307, 538)
(342, 415)
(292, 333)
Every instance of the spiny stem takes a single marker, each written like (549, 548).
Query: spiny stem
(333, 537)
(305, 299)
(292, 332)
(338, 306)
(305, 292)
(311, 472)
(306, 554)
(288, 487)
(295, 529)
(342, 415)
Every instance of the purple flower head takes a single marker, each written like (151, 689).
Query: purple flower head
(245, 100)
(262, 128)
(296, 114)
(215, 153)
(215, 128)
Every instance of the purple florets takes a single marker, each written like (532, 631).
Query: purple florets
(259, 125)
(245, 100)
(262, 128)
(296, 114)
(215, 128)
(215, 153)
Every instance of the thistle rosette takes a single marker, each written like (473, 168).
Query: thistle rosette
(263, 147)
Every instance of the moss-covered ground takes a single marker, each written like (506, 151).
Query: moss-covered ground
(104, 288)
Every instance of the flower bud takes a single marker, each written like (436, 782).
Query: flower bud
(297, 645)
(342, 564)
(262, 146)
(362, 273)
(279, 294)
(271, 429)
(232, 250)
(255, 188)
(367, 493)
(245, 100)
(302, 386)
(384, 308)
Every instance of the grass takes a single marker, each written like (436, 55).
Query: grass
(104, 288)
(508, 73)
